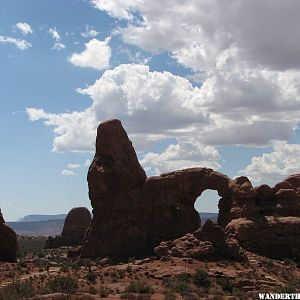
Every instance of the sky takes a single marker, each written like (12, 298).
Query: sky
(195, 83)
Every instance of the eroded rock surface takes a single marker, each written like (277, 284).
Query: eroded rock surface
(8, 242)
(133, 214)
(75, 227)
(208, 242)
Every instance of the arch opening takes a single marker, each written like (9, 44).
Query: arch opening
(207, 205)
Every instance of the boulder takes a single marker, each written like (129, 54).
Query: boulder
(75, 227)
(8, 242)
(208, 242)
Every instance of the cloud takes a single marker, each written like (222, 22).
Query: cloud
(89, 32)
(152, 106)
(96, 55)
(157, 105)
(275, 166)
(181, 156)
(117, 8)
(87, 162)
(68, 173)
(73, 166)
(20, 44)
(25, 28)
(249, 83)
(54, 33)
(58, 44)
(212, 27)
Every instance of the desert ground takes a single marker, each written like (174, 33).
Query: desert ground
(50, 274)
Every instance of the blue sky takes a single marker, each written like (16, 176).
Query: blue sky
(194, 83)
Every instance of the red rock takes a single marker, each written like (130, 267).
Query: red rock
(287, 196)
(264, 194)
(1, 218)
(133, 214)
(76, 224)
(8, 242)
(207, 242)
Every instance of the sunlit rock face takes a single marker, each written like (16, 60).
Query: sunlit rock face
(133, 214)
(8, 242)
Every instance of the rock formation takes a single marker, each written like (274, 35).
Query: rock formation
(8, 242)
(207, 242)
(75, 226)
(133, 214)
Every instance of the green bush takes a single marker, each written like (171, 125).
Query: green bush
(226, 285)
(17, 290)
(103, 291)
(200, 278)
(288, 289)
(93, 290)
(179, 284)
(138, 288)
(170, 296)
(91, 277)
(62, 284)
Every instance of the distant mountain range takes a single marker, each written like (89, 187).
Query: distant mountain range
(208, 215)
(36, 218)
(38, 228)
(45, 225)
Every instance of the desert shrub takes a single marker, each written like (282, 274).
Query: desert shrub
(288, 289)
(139, 288)
(85, 262)
(91, 277)
(103, 291)
(133, 296)
(178, 284)
(200, 278)
(22, 264)
(118, 274)
(169, 295)
(218, 297)
(129, 269)
(62, 284)
(269, 263)
(17, 290)
(64, 268)
(93, 290)
(75, 266)
(226, 284)
(190, 296)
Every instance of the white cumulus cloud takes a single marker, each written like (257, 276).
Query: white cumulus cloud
(96, 55)
(68, 173)
(25, 28)
(181, 156)
(73, 166)
(58, 44)
(152, 105)
(21, 44)
(275, 166)
(89, 32)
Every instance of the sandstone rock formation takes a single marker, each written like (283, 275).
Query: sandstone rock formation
(8, 242)
(75, 226)
(133, 214)
(207, 242)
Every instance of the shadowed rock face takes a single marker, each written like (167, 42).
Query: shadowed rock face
(8, 242)
(132, 214)
(75, 227)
